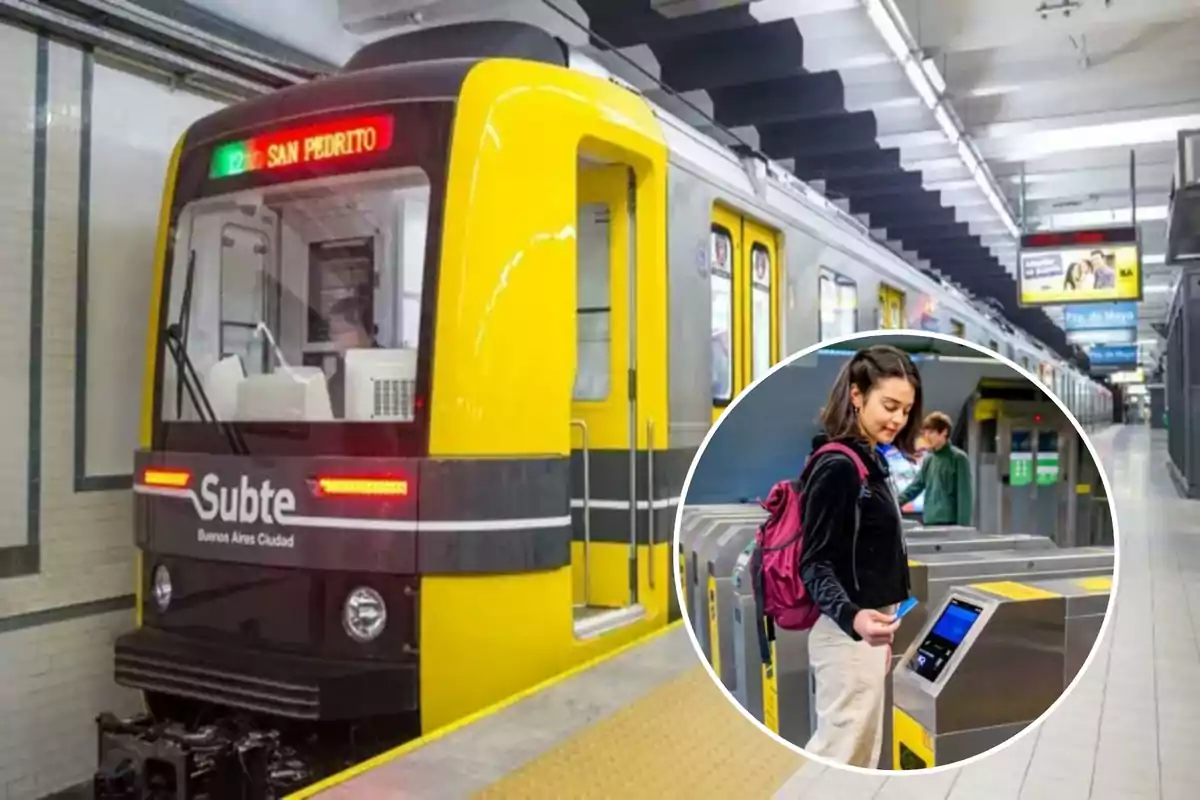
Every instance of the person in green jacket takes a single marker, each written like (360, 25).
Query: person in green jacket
(945, 477)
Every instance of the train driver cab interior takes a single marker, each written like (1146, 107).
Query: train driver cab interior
(300, 302)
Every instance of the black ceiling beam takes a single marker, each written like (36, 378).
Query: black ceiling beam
(899, 203)
(841, 165)
(955, 243)
(732, 58)
(872, 185)
(844, 133)
(940, 230)
(899, 219)
(780, 100)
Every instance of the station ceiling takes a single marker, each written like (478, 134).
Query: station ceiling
(1054, 96)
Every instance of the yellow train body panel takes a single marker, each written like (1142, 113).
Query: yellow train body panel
(503, 369)
(153, 340)
(505, 360)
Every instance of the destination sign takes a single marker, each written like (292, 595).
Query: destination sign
(324, 142)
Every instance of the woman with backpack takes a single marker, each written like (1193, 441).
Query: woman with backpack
(853, 564)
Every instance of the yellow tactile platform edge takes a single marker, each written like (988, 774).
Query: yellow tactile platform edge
(682, 740)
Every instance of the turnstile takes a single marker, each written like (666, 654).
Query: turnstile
(919, 529)
(696, 524)
(933, 576)
(792, 716)
(718, 556)
(759, 686)
(970, 541)
(720, 617)
(709, 542)
(992, 659)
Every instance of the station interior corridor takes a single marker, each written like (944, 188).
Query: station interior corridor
(1130, 730)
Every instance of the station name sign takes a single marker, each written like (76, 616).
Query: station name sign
(334, 140)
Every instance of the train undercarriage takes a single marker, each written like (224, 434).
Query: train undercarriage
(184, 750)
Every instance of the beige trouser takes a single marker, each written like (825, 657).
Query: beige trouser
(850, 682)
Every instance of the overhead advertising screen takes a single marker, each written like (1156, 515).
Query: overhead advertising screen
(1110, 336)
(1088, 266)
(1113, 355)
(1100, 316)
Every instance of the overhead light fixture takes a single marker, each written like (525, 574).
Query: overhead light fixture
(1155, 258)
(942, 117)
(929, 84)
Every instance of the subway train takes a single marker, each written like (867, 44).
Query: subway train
(433, 342)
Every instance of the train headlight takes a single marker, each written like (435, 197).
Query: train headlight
(162, 587)
(364, 615)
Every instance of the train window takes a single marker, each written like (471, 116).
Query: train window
(760, 310)
(318, 281)
(721, 277)
(594, 321)
(838, 298)
(243, 275)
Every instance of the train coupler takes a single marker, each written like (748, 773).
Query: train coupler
(146, 759)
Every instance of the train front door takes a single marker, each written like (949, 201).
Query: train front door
(618, 518)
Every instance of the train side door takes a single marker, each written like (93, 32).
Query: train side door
(726, 273)
(745, 278)
(891, 307)
(605, 464)
(760, 288)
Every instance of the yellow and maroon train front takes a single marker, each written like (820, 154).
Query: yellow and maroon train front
(377, 477)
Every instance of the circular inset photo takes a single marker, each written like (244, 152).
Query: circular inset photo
(896, 551)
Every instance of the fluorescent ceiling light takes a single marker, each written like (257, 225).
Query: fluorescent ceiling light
(1111, 216)
(935, 76)
(928, 82)
(1154, 258)
(920, 82)
(1157, 288)
(946, 124)
(1023, 145)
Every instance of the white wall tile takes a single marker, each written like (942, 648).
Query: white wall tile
(55, 678)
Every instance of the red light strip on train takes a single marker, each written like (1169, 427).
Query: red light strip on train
(361, 487)
(311, 144)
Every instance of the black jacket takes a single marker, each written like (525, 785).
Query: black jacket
(845, 571)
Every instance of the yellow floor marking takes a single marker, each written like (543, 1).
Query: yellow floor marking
(1097, 584)
(682, 740)
(1013, 590)
(363, 767)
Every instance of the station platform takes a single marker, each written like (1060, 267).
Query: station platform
(649, 722)
(620, 727)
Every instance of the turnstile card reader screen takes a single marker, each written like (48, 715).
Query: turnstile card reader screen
(948, 633)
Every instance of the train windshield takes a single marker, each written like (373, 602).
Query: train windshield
(299, 302)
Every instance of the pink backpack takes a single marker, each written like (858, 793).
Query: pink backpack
(779, 592)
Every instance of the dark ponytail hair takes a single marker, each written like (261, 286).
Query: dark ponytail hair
(865, 370)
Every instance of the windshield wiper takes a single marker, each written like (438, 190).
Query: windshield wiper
(182, 327)
(189, 379)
